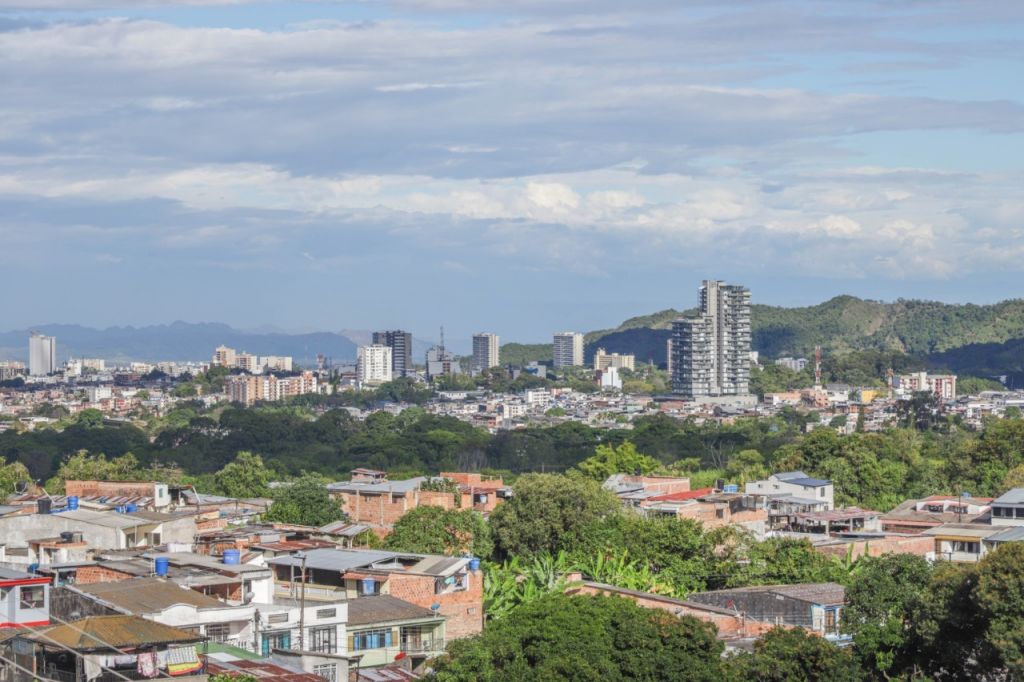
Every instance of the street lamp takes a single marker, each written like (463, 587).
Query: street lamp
(302, 603)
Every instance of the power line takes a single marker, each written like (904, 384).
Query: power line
(35, 675)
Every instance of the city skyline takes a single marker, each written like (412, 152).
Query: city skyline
(285, 154)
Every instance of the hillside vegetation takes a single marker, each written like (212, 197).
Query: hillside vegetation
(985, 339)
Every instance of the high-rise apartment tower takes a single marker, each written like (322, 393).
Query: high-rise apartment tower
(42, 354)
(400, 344)
(485, 351)
(568, 349)
(711, 352)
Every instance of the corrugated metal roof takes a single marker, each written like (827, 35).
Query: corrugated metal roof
(1012, 534)
(148, 595)
(102, 632)
(388, 673)
(1014, 496)
(384, 608)
(263, 669)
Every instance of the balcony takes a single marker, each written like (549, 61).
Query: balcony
(423, 645)
(313, 592)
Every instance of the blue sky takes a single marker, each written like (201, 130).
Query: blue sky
(517, 166)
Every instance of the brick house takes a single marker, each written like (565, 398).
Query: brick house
(448, 586)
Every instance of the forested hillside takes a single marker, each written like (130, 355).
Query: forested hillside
(976, 339)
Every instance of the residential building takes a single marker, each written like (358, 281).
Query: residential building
(106, 648)
(963, 542)
(400, 343)
(10, 369)
(568, 349)
(224, 356)
(373, 364)
(942, 385)
(796, 486)
(816, 607)
(24, 600)
(139, 493)
(711, 353)
(248, 362)
(795, 364)
(250, 389)
(103, 529)
(1008, 508)
(95, 394)
(610, 379)
(485, 351)
(451, 587)
(603, 360)
(42, 354)
(632, 489)
(916, 516)
(441, 363)
(276, 363)
(669, 353)
(95, 364)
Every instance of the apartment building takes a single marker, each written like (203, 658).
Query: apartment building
(373, 364)
(42, 354)
(604, 360)
(400, 343)
(485, 351)
(711, 352)
(568, 349)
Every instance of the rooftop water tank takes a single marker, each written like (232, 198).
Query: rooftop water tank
(73, 503)
(161, 565)
(232, 557)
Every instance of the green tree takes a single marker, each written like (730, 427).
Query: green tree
(10, 475)
(304, 502)
(1000, 596)
(435, 530)
(578, 638)
(793, 655)
(246, 476)
(616, 459)
(83, 466)
(90, 418)
(881, 596)
(547, 513)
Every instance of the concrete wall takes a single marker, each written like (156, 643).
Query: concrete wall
(464, 609)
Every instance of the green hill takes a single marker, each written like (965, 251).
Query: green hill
(985, 334)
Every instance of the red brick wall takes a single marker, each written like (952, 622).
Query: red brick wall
(920, 545)
(109, 488)
(98, 574)
(729, 626)
(463, 610)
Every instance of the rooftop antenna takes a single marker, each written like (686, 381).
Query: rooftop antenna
(817, 366)
(442, 337)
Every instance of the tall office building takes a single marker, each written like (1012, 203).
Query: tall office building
(568, 349)
(711, 352)
(485, 351)
(42, 354)
(373, 364)
(400, 344)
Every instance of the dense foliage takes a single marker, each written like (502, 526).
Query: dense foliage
(585, 638)
(434, 530)
(304, 502)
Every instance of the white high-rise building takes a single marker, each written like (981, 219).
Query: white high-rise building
(42, 354)
(485, 351)
(373, 364)
(568, 349)
(711, 353)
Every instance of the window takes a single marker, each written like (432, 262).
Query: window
(371, 639)
(218, 632)
(328, 671)
(277, 618)
(367, 588)
(32, 596)
(326, 613)
(997, 511)
(325, 640)
(823, 492)
(1020, 512)
(967, 547)
(276, 640)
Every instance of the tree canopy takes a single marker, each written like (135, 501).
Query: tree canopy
(305, 502)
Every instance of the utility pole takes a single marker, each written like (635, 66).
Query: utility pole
(302, 604)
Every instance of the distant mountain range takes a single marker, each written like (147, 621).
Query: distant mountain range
(983, 340)
(177, 341)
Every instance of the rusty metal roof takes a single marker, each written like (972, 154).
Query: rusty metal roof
(148, 595)
(104, 632)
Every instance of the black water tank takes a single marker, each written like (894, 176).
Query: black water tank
(43, 505)
(67, 536)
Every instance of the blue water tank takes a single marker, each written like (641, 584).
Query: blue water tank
(369, 586)
(232, 557)
(73, 503)
(161, 565)
(131, 508)
(731, 488)
(474, 564)
(119, 509)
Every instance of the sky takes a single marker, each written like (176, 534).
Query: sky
(514, 166)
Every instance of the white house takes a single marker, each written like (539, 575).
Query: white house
(795, 484)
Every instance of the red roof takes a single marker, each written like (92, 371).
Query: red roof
(679, 497)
